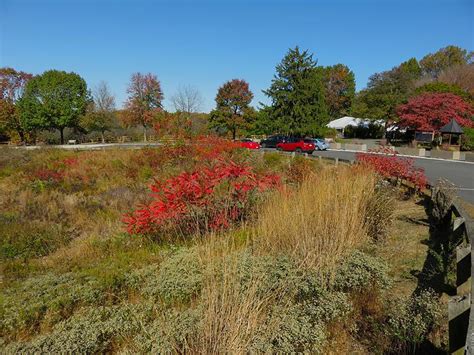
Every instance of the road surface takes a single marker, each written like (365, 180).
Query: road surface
(459, 173)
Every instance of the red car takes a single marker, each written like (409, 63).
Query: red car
(250, 144)
(298, 145)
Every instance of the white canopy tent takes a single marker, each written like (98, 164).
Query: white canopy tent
(341, 123)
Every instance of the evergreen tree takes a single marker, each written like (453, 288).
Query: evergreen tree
(297, 94)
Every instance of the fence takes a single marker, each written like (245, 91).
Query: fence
(460, 309)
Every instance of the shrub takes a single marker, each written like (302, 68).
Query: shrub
(257, 303)
(410, 320)
(178, 279)
(207, 199)
(299, 169)
(360, 272)
(467, 139)
(27, 240)
(90, 331)
(389, 165)
(48, 297)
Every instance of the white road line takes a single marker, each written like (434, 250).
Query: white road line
(403, 155)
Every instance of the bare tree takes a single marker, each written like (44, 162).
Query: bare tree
(187, 99)
(101, 112)
(460, 75)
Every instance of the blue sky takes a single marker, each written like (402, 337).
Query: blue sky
(205, 43)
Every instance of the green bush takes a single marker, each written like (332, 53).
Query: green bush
(49, 298)
(362, 271)
(178, 279)
(467, 139)
(169, 333)
(410, 320)
(27, 240)
(90, 331)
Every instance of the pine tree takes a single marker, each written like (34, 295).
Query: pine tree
(297, 94)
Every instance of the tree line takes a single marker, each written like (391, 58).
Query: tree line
(303, 98)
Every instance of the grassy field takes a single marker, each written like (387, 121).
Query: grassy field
(294, 255)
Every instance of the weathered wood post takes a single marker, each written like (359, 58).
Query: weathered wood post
(459, 306)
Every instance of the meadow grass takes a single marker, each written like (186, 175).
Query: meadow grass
(294, 277)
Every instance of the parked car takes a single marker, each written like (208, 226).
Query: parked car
(298, 145)
(272, 141)
(249, 144)
(320, 144)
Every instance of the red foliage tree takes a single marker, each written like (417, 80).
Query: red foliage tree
(431, 111)
(144, 101)
(233, 109)
(12, 85)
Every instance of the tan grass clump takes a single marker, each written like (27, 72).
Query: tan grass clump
(232, 313)
(319, 222)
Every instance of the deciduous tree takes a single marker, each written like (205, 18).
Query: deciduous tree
(187, 102)
(187, 99)
(144, 101)
(386, 90)
(339, 85)
(233, 111)
(431, 111)
(101, 112)
(460, 75)
(54, 100)
(12, 87)
(434, 63)
(441, 87)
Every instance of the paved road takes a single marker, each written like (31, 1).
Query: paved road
(459, 173)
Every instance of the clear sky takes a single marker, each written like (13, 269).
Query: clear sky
(205, 43)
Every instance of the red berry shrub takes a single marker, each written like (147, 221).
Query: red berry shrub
(48, 175)
(61, 171)
(389, 165)
(208, 199)
(211, 147)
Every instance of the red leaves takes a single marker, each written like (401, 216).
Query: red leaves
(211, 198)
(391, 166)
(60, 170)
(431, 111)
(48, 175)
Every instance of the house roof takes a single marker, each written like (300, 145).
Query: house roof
(345, 121)
(452, 127)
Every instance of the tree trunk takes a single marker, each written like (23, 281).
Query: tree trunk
(144, 133)
(22, 136)
(61, 130)
(102, 136)
(234, 131)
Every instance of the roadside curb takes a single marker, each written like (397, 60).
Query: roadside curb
(402, 155)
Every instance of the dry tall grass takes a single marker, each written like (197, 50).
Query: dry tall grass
(234, 310)
(319, 222)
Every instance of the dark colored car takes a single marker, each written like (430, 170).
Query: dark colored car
(298, 145)
(249, 144)
(272, 141)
